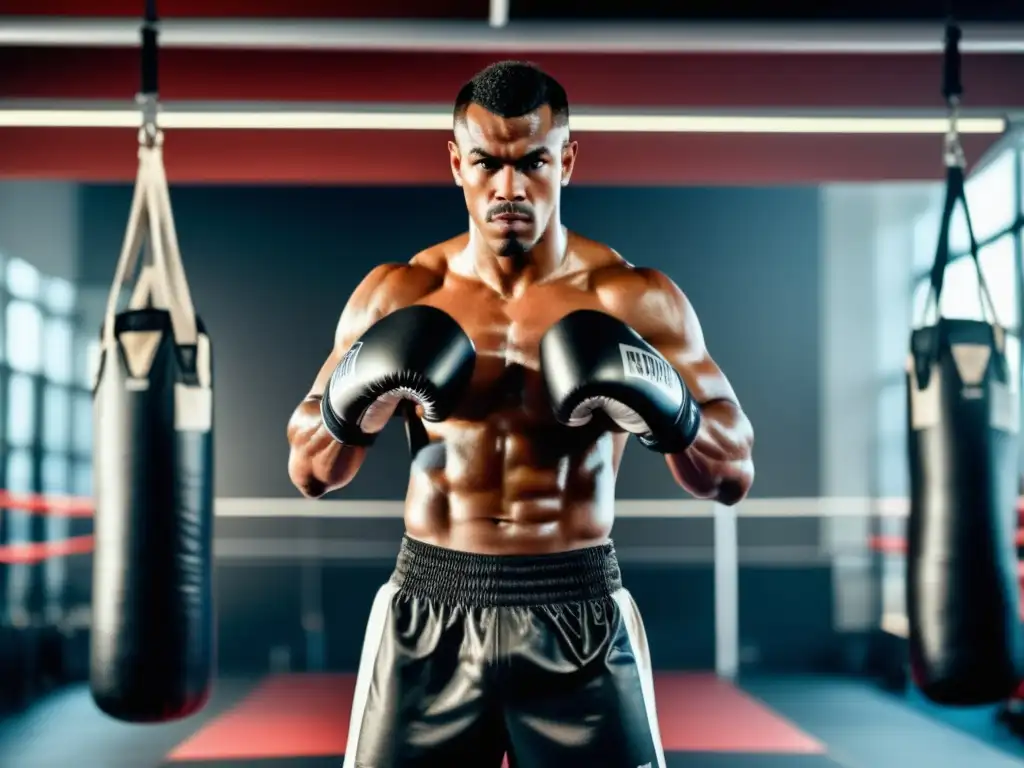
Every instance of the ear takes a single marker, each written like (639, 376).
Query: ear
(569, 152)
(456, 162)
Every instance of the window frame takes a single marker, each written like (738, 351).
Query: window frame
(922, 278)
(37, 447)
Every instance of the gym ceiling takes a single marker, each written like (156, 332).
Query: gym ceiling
(863, 60)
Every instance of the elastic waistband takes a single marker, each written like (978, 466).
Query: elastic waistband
(463, 578)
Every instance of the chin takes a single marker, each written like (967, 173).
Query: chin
(511, 248)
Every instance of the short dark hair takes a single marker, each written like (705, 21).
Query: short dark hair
(513, 89)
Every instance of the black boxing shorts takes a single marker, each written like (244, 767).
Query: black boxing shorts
(467, 657)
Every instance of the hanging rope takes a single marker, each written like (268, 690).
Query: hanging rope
(952, 91)
(149, 92)
(955, 162)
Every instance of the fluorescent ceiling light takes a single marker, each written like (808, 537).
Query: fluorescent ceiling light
(437, 120)
(522, 36)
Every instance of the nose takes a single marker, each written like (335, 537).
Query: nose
(509, 185)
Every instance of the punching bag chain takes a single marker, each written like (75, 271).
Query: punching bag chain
(952, 90)
(148, 97)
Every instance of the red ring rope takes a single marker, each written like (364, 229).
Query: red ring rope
(34, 552)
(61, 506)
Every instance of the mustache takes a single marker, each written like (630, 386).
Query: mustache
(509, 209)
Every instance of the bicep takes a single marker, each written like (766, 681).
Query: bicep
(668, 322)
(699, 371)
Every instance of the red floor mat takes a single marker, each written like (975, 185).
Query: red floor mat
(307, 716)
(286, 716)
(701, 713)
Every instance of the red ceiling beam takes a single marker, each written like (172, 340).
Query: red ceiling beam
(664, 80)
(417, 157)
(212, 9)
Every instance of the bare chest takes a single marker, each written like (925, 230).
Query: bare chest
(506, 332)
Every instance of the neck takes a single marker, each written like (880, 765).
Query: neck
(511, 274)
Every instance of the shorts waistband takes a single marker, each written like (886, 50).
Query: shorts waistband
(464, 578)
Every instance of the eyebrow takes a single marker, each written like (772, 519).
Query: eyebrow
(531, 155)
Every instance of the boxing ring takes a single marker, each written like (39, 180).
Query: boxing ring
(873, 515)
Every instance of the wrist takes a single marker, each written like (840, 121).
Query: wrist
(682, 432)
(344, 432)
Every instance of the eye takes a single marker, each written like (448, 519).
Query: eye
(488, 164)
(534, 165)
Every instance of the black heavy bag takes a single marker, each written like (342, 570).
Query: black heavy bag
(962, 592)
(152, 639)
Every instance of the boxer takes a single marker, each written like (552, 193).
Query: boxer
(530, 355)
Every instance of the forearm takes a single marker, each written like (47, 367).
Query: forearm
(317, 463)
(718, 465)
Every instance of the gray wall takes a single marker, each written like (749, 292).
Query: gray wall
(39, 223)
(270, 270)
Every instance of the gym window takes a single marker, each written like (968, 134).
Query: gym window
(961, 296)
(24, 336)
(21, 411)
(57, 424)
(46, 424)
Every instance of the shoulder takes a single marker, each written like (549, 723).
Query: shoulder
(412, 280)
(394, 285)
(390, 286)
(623, 281)
(593, 256)
(385, 289)
(613, 277)
(645, 299)
(436, 258)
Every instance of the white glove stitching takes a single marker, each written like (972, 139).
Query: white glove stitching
(621, 414)
(380, 411)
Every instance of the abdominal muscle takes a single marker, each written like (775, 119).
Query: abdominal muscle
(533, 489)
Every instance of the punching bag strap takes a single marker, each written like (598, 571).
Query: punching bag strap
(955, 162)
(167, 256)
(148, 291)
(133, 238)
(954, 193)
(161, 282)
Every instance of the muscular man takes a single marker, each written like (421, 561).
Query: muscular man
(531, 354)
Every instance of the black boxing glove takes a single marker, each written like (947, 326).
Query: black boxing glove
(418, 353)
(590, 361)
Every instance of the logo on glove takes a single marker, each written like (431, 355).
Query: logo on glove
(641, 364)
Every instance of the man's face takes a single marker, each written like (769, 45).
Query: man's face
(511, 171)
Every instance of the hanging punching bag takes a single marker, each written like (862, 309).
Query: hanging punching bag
(963, 407)
(152, 641)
